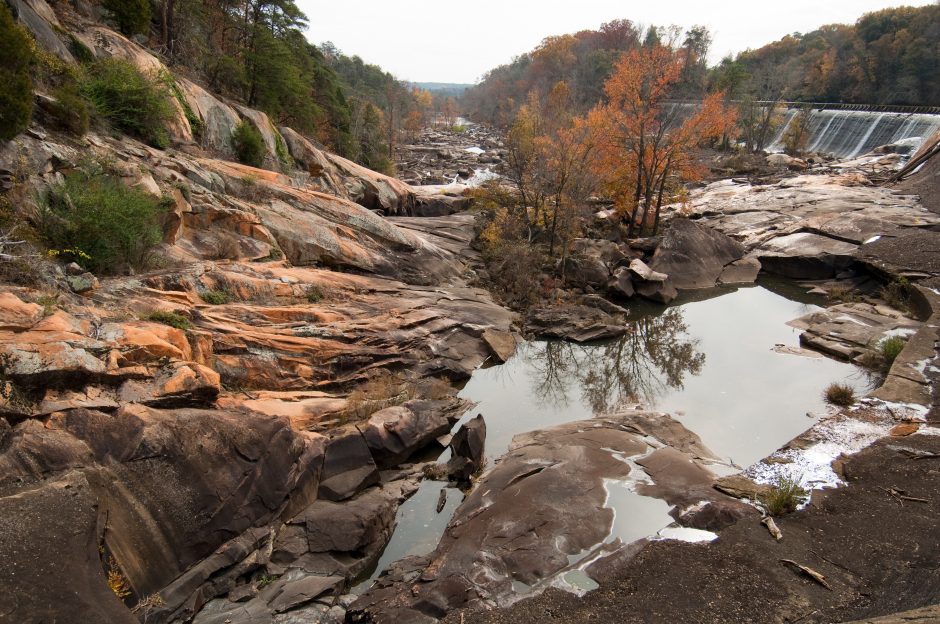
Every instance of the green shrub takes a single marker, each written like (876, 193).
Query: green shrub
(196, 124)
(280, 149)
(132, 16)
(130, 101)
(248, 144)
(112, 226)
(69, 111)
(889, 349)
(314, 293)
(839, 394)
(16, 87)
(784, 497)
(80, 51)
(173, 319)
(216, 297)
(897, 296)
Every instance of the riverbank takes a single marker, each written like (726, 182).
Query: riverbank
(872, 539)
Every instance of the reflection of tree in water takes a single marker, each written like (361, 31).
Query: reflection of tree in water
(654, 355)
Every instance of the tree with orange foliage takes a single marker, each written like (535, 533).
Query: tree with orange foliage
(644, 147)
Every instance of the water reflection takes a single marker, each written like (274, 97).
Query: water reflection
(654, 356)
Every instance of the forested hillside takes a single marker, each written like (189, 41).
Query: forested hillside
(583, 61)
(255, 52)
(887, 57)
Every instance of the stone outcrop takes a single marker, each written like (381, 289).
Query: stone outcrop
(539, 511)
(810, 226)
(694, 255)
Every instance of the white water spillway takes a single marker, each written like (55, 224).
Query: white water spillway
(847, 134)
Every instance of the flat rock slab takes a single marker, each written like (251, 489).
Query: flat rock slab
(542, 504)
(805, 256)
(852, 330)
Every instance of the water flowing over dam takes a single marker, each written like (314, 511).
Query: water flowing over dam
(846, 134)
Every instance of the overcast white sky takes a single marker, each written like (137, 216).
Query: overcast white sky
(444, 41)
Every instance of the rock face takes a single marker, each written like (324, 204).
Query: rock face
(694, 255)
(539, 509)
(169, 500)
(810, 226)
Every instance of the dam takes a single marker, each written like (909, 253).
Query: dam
(851, 133)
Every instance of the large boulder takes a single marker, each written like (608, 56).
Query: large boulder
(575, 322)
(651, 284)
(805, 256)
(348, 467)
(314, 162)
(467, 449)
(395, 433)
(218, 118)
(374, 190)
(591, 261)
(694, 255)
(173, 484)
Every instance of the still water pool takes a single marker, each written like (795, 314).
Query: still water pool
(724, 366)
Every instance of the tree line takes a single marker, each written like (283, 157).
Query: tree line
(887, 57)
(255, 52)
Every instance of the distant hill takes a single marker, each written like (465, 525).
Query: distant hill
(444, 88)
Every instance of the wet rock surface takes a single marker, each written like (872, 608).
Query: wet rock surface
(550, 483)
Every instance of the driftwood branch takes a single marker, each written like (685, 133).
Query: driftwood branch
(772, 527)
(811, 573)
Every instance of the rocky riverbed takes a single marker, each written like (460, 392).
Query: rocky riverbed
(228, 437)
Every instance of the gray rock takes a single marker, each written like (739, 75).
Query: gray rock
(467, 448)
(743, 271)
(297, 592)
(643, 273)
(348, 467)
(621, 285)
(577, 323)
(395, 433)
(693, 255)
(72, 268)
(83, 283)
(806, 256)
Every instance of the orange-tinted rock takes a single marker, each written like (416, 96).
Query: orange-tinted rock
(905, 429)
(17, 315)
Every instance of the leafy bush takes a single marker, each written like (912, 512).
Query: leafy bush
(784, 497)
(248, 145)
(216, 297)
(16, 87)
(314, 293)
(112, 225)
(513, 265)
(839, 394)
(132, 16)
(69, 110)
(173, 319)
(130, 101)
(889, 349)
